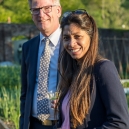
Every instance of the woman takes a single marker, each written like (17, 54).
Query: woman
(90, 93)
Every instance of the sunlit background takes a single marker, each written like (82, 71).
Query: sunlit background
(16, 27)
(107, 13)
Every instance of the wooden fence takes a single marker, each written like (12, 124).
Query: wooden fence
(117, 50)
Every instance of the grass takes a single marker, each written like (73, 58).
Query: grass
(10, 95)
(10, 106)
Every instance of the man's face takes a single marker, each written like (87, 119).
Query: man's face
(48, 22)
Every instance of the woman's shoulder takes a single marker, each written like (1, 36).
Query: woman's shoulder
(104, 65)
(106, 72)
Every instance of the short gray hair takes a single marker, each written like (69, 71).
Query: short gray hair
(56, 2)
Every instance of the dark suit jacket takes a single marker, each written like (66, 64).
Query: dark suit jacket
(28, 78)
(108, 102)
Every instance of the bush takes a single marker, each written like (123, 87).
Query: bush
(10, 106)
(126, 84)
(10, 94)
(9, 76)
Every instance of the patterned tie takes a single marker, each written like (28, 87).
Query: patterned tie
(42, 100)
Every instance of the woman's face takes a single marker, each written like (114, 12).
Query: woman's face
(76, 41)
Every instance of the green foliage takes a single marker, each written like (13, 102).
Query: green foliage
(10, 105)
(20, 37)
(107, 13)
(125, 4)
(10, 94)
(71, 5)
(125, 84)
(9, 76)
(18, 11)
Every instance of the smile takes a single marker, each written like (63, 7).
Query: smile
(43, 20)
(75, 50)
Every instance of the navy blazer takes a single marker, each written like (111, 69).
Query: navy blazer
(109, 108)
(28, 78)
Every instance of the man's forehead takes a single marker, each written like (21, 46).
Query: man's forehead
(43, 1)
(40, 3)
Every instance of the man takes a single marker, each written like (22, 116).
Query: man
(45, 14)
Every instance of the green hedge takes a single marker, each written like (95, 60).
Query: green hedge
(9, 76)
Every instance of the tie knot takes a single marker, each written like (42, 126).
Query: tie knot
(47, 41)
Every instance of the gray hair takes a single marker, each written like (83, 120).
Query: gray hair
(56, 2)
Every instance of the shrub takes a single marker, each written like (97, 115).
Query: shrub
(10, 94)
(9, 76)
(126, 84)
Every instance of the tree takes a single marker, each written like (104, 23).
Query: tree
(107, 13)
(18, 11)
(125, 4)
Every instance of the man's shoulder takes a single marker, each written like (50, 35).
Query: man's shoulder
(36, 38)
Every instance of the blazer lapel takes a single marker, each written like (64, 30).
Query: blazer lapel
(60, 50)
(33, 60)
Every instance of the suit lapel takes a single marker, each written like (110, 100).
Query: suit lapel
(60, 50)
(33, 60)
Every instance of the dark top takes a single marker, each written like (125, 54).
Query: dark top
(109, 108)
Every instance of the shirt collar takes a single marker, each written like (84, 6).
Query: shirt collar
(53, 37)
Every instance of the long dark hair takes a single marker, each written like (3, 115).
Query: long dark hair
(76, 78)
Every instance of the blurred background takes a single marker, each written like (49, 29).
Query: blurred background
(16, 27)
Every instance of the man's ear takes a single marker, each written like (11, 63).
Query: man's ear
(59, 11)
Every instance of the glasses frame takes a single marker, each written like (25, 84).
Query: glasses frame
(42, 8)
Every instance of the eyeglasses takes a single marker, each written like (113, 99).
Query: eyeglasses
(79, 11)
(45, 9)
